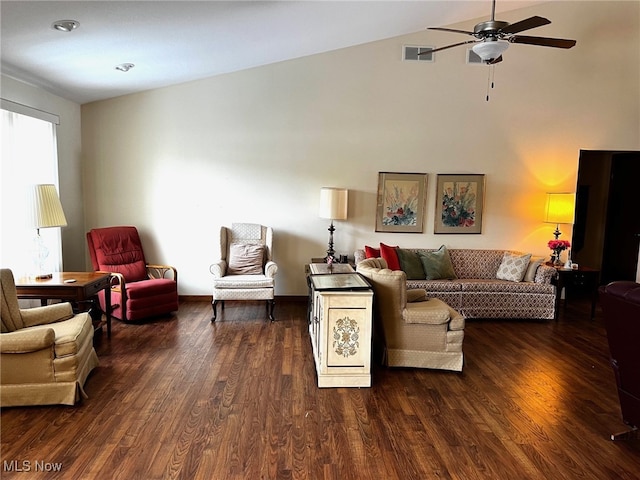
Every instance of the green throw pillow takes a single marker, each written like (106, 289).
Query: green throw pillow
(410, 264)
(437, 264)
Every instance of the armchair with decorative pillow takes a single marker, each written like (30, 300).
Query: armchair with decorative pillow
(417, 331)
(46, 353)
(245, 269)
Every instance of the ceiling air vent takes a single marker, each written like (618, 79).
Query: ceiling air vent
(410, 53)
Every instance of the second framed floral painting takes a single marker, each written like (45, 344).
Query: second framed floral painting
(459, 204)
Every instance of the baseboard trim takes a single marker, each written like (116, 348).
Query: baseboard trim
(195, 298)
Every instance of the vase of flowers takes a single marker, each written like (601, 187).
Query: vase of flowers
(557, 247)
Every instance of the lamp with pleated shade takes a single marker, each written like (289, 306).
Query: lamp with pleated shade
(44, 210)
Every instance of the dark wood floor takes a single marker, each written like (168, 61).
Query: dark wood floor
(184, 398)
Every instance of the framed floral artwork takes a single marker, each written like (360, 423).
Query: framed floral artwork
(401, 201)
(459, 203)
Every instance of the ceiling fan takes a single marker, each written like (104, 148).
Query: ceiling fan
(492, 38)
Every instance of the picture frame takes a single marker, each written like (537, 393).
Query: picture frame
(401, 202)
(459, 203)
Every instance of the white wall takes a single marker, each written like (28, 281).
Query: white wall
(256, 146)
(69, 162)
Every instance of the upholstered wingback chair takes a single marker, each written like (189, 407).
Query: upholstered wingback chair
(245, 269)
(621, 306)
(46, 353)
(142, 290)
(417, 332)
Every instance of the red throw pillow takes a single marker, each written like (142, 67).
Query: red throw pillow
(391, 256)
(370, 252)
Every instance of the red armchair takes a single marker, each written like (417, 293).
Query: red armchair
(140, 290)
(621, 306)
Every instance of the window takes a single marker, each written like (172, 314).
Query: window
(29, 156)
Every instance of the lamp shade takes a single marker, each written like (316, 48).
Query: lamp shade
(560, 208)
(333, 203)
(44, 207)
(490, 49)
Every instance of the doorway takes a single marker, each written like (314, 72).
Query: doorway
(606, 233)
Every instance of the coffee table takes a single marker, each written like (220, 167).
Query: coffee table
(75, 287)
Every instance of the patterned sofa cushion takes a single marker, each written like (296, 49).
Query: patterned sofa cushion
(499, 286)
(470, 263)
(436, 285)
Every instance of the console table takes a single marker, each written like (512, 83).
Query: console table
(340, 326)
(75, 287)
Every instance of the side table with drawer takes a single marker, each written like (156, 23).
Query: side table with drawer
(581, 279)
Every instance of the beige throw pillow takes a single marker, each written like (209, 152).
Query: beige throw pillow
(513, 267)
(534, 263)
(245, 259)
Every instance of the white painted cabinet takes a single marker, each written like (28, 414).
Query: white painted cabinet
(340, 329)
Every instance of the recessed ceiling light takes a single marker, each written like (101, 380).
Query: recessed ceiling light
(65, 25)
(125, 67)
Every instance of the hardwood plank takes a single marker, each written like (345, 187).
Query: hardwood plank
(181, 397)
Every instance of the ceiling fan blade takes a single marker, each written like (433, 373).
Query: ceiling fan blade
(444, 48)
(442, 29)
(496, 60)
(526, 24)
(543, 41)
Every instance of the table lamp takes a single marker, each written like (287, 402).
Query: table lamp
(44, 210)
(333, 206)
(559, 209)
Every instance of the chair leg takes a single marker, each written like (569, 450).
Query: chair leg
(270, 305)
(214, 304)
(632, 434)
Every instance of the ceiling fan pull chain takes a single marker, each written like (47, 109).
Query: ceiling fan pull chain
(490, 79)
(489, 83)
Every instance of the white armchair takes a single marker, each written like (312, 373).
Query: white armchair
(245, 269)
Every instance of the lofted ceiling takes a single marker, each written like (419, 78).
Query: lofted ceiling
(171, 42)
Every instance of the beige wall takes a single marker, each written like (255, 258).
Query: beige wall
(69, 162)
(256, 146)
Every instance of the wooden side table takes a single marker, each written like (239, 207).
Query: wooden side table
(581, 279)
(75, 287)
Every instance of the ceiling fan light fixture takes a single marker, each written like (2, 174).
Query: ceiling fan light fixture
(490, 49)
(65, 25)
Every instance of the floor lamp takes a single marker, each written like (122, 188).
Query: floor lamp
(44, 211)
(333, 206)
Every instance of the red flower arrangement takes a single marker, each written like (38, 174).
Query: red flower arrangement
(558, 245)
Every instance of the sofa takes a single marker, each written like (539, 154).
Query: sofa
(621, 307)
(478, 283)
(416, 331)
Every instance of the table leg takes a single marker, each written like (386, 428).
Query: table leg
(107, 301)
